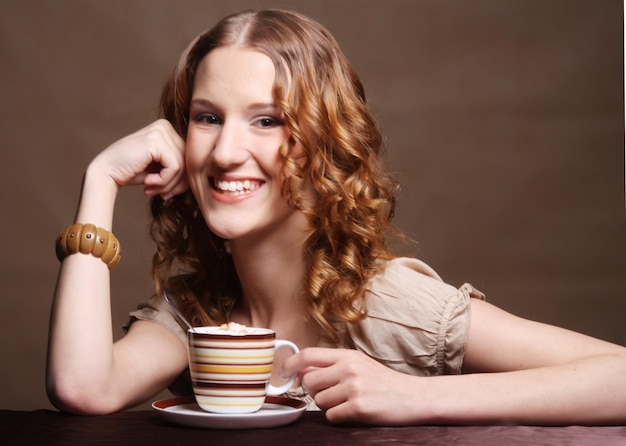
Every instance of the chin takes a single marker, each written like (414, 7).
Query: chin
(221, 232)
(227, 230)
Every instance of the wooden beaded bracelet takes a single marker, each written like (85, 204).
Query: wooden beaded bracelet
(89, 239)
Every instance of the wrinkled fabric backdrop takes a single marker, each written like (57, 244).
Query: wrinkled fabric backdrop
(503, 119)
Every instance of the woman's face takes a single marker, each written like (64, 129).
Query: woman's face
(233, 142)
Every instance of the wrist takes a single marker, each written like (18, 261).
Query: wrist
(97, 199)
(432, 400)
(89, 239)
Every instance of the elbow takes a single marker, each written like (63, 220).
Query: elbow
(77, 398)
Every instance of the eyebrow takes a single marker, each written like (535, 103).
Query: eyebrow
(254, 106)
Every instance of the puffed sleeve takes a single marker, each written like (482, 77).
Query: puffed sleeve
(416, 323)
(158, 311)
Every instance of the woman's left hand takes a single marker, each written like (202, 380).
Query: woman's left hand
(351, 386)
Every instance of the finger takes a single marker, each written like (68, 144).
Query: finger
(341, 413)
(168, 181)
(309, 357)
(317, 380)
(304, 371)
(330, 399)
(171, 134)
(167, 151)
(180, 188)
(167, 166)
(170, 192)
(166, 175)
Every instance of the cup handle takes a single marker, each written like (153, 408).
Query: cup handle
(273, 390)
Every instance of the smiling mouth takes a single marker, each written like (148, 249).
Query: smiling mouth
(235, 187)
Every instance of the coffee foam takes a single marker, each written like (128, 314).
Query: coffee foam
(230, 329)
(234, 328)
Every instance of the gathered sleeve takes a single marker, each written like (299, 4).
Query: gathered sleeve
(158, 311)
(415, 323)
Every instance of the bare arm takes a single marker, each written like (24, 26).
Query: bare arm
(531, 373)
(547, 375)
(86, 372)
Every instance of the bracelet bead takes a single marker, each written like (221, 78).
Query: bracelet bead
(89, 239)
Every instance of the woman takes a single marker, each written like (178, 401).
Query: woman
(270, 208)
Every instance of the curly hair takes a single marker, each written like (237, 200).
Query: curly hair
(324, 108)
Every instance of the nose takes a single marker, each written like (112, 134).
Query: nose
(231, 145)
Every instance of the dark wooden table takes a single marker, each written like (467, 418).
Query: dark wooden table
(147, 428)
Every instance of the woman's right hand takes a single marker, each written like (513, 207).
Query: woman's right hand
(152, 156)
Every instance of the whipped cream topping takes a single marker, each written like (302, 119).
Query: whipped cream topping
(234, 327)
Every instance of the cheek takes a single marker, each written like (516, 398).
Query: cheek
(195, 159)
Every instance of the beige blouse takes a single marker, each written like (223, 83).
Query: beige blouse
(416, 323)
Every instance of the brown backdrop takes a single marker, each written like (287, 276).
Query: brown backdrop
(504, 120)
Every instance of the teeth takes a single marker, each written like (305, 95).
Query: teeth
(236, 187)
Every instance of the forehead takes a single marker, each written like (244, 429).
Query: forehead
(235, 73)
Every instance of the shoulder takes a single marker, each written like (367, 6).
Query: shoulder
(408, 283)
(415, 322)
(158, 311)
(402, 271)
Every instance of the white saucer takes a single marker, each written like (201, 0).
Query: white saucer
(276, 411)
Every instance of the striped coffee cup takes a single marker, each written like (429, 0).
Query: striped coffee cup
(230, 371)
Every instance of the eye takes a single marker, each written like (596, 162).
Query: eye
(207, 118)
(267, 122)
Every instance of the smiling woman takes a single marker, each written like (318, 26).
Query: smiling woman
(234, 139)
(272, 207)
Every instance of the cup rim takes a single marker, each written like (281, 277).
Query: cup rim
(217, 331)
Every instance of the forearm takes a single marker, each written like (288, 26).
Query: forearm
(80, 341)
(586, 391)
(86, 372)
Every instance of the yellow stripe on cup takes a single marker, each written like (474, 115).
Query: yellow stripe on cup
(227, 369)
(236, 354)
(230, 393)
(243, 343)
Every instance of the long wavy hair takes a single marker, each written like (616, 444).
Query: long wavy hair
(324, 108)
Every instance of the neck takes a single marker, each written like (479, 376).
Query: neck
(271, 269)
(271, 273)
